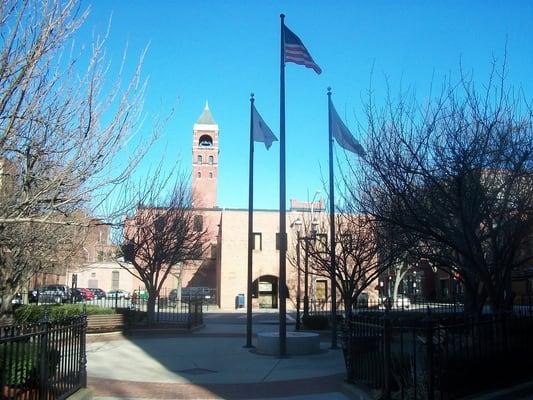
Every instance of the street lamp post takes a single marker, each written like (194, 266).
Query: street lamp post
(298, 225)
(314, 230)
(306, 278)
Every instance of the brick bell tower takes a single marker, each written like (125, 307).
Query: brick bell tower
(205, 160)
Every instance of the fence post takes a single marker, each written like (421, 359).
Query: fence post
(201, 316)
(189, 319)
(430, 352)
(158, 306)
(83, 351)
(387, 336)
(43, 375)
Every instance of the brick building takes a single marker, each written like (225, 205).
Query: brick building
(224, 266)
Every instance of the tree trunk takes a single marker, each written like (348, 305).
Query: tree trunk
(348, 304)
(150, 307)
(397, 280)
(6, 308)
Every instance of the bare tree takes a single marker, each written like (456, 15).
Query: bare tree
(455, 174)
(163, 234)
(32, 248)
(359, 258)
(62, 124)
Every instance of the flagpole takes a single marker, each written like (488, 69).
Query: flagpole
(332, 232)
(250, 229)
(282, 203)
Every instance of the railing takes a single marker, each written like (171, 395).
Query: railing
(43, 361)
(436, 357)
(187, 311)
(522, 304)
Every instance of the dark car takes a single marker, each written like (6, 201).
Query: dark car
(54, 294)
(98, 293)
(78, 294)
(33, 296)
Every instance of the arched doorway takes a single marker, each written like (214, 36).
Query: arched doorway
(265, 290)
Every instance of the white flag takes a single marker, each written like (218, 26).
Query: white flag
(261, 131)
(343, 136)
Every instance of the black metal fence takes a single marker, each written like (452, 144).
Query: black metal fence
(437, 357)
(115, 298)
(168, 309)
(43, 361)
(419, 305)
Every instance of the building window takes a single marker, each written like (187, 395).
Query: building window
(211, 159)
(115, 280)
(199, 159)
(93, 274)
(199, 174)
(258, 241)
(210, 175)
(346, 241)
(321, 242)
(198, 223)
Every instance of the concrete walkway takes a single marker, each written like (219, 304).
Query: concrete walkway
(211, 363)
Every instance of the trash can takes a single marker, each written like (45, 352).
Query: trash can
(239, 301)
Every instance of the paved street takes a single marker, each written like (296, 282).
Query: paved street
(211, 363)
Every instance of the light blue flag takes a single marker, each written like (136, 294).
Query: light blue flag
(261, 131)
(343, 136)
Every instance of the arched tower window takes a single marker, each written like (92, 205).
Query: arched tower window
(199, 174)
(211, 159)
(205, 141)
(199, 159)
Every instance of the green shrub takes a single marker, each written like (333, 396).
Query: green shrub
(316, 322)
(20, 363)
(32, 313)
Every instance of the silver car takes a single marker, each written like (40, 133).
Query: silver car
(119, 293)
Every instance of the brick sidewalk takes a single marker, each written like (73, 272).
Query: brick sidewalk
(148, 390)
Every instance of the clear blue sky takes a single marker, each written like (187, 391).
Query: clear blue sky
(223, 50)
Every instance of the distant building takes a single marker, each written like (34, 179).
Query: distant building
(224, 266)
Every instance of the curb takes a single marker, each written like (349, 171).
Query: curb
(513, 392)
(82, 394)
(357, 392)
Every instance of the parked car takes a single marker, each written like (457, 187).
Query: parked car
(402, 301)
(77, 295)
(54, 294)
(82, 294)
(119, 293)
(189, 293)
(87, 294)
(16, 300)
(33, 296)
(98, 293)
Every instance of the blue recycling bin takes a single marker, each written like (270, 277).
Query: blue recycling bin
(239, 301)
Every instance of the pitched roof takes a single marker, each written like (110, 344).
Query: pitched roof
(206, 118)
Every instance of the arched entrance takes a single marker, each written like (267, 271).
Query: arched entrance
(265, 290)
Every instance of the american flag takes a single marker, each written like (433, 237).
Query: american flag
(296, 52)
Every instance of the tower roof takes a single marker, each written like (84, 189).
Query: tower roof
(206, 118)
